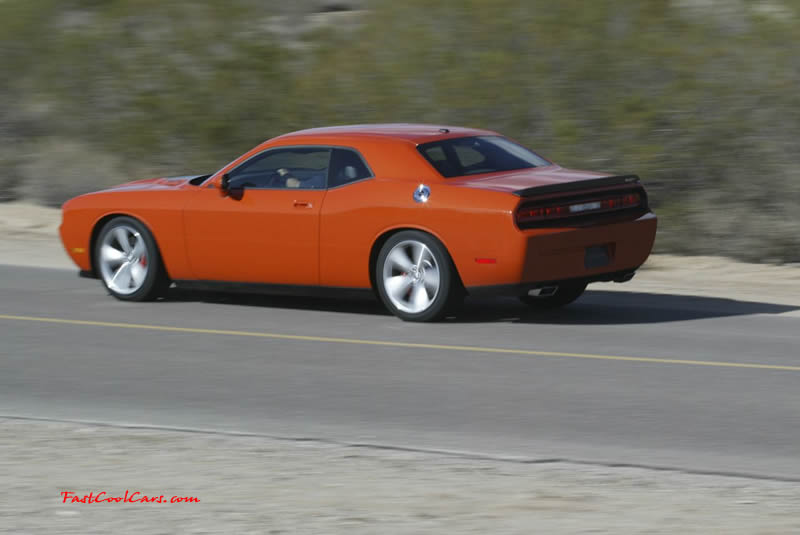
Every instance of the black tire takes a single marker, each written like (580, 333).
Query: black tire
(440, 301)
(566, 294)
(154, 281)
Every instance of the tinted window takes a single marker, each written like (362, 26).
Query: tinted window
(299, 167)
(346, 166)
(480, 154)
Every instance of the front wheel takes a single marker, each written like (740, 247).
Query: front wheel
(128, 262)
(415, 276)
(564, 295)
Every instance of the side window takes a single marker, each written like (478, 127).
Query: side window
(346, 166)
(468, 156)
(439, 158)
(435, 153)
(297, 167)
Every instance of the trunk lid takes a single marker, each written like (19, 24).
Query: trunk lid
(515, 181)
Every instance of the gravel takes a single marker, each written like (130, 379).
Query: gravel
(249, 484)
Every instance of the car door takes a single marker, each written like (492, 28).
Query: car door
(347, 220)
(266, 229)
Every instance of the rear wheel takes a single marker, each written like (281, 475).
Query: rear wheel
(564, 295)
(128, 262)
(415, 277)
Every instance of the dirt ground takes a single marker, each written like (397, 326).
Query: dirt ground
(262, 485)
(250, 484)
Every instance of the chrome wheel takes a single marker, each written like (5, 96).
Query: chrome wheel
(123, 259)
(411, 276)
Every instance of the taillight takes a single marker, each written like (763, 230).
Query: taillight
(533, 214)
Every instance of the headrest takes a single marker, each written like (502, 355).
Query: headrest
(350, 172)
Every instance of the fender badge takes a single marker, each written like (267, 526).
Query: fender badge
(422, 193)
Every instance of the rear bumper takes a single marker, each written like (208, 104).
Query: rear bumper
(523, 288)
(561, 254)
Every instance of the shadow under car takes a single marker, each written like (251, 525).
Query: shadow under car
(595, 307)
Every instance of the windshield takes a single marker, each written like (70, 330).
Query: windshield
(479, 154)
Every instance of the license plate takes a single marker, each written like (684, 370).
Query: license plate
(585, 207)
(596, 256)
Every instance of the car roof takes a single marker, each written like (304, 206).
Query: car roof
(414, 133)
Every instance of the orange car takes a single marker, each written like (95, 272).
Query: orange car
(422, 215)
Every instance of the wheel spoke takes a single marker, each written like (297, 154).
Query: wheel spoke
(122, 277)
(419, 254)
(122, 237)
(397, 286)
(399, 259)
(138, 272)
(420, 299)
(111, 255)
(138, 248)
(432, 279)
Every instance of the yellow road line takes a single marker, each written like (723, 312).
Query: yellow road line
(410, 345)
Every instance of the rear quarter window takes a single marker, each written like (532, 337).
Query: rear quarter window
(478, 154)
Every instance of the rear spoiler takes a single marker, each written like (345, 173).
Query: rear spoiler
(578, 185)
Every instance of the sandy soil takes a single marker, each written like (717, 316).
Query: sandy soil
(29, 236)
(261, 485)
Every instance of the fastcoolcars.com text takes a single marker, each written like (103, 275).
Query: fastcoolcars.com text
(129, 497)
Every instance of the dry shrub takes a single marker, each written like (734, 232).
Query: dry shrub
(54, 170)
(9, 174)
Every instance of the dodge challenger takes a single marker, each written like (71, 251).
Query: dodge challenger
(422, 215)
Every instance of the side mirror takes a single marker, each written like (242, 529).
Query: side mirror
(225, 188)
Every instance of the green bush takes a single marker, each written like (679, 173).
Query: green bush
(698, 98)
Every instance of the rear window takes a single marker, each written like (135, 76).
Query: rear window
(478, 154)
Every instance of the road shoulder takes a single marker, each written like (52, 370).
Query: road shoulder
(254, 484)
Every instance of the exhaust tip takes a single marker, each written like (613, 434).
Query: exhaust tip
(544, 291)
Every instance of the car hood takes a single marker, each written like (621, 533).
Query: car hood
(155, 183)
(511, 181)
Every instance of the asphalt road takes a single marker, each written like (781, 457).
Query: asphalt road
(702, 384)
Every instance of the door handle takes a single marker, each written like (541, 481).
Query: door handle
(302, 204)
